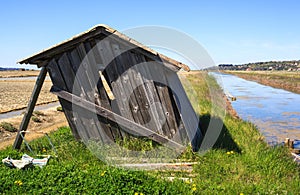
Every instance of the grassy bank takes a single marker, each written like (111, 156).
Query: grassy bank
(239, 162)
(289, 81)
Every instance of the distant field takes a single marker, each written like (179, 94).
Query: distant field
(15, 94)
(8, 74)
(289, 81)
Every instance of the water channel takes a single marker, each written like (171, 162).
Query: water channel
(275, 112)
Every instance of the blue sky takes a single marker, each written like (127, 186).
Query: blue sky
(231, 31)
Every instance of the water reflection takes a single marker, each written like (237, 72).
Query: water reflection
(275, 112)
(20, 112)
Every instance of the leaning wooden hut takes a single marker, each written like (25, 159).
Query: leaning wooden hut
(111, 86)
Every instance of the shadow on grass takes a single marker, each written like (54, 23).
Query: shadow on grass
(223, 141)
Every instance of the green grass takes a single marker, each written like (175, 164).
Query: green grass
(76, 170)
(239, 162)
(59, 108)
(5, 126)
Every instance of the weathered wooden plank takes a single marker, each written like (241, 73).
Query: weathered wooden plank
(83, 88)
(68, 75)
(96, 83)
(188, 115)
(163, 94)
(72, 116)
(172, 115)
(102, 94)
(130, 126)
(67, 72)
(72, 120)
(139, 104)
(151, 55)
(156, 111)
(31, 104)
(133, 96)
(181, 134)
(120, 104)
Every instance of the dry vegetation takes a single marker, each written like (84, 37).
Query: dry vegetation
(16, 94)
(9, 74)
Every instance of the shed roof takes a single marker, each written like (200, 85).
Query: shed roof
(41, 58)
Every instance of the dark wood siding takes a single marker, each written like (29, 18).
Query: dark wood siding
(138, 97)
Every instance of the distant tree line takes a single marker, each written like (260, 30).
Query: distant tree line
(271, 65)
(12, 69)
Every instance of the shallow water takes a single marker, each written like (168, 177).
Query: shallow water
(20, 112)
(275, 112)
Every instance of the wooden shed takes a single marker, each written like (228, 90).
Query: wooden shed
(111, 86)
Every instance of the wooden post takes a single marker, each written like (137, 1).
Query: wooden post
(30, 107)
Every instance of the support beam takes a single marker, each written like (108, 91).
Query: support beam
(129, 126)
(30, 107)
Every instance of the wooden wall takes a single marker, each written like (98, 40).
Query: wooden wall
(136, 95)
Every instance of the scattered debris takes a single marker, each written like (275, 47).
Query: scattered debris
(293, 146)
(296, 157)
(25, 162)
(164, 166)
(230, 96)
(290, 144)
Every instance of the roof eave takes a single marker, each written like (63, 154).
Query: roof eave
(39, 58)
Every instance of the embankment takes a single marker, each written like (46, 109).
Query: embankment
(289, 81)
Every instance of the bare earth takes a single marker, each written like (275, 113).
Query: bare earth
(51, 120)
(15, 94)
